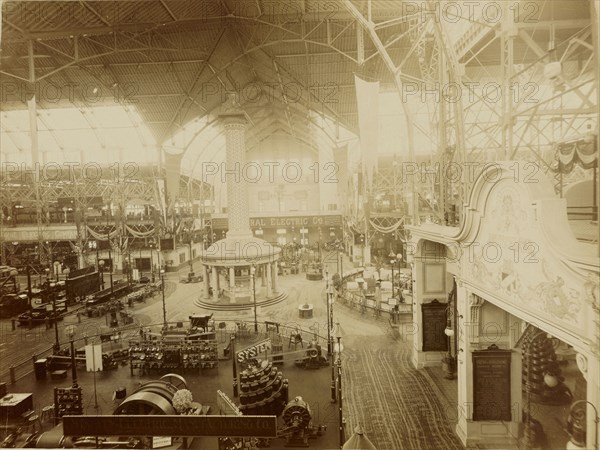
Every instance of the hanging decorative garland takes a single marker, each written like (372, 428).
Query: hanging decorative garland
(101, 236)
(387, 230)
(582, 151)
(139, 234)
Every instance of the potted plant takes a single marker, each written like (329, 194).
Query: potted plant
(448, 366)
(182, 401)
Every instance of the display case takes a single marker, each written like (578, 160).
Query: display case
(168, 355)
(199, 355)
(68, 402)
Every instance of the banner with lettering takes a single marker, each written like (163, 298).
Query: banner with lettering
(253, 351)
(333, 220)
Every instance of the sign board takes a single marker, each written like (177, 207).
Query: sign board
(434, 324)
(161, 441)
(392, 301)
(185, 426)
(327, 220)
(226, 406)
(253, 351)
(491, 384)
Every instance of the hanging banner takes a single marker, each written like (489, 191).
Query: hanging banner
(340, 158)
(93, 358)
(162, 198)
(172, 176)
(367, 96)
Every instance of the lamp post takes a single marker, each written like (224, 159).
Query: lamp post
(191, 257)
(233, 365)
(151, 245)
(362, 243)
(141, 264)
(111, 261)
(329, 292)
(576, 425)
(51, 289)
(449, 361)
(393, 259)
(253, 276)
(50, 258)
(164, 305)
(329, 339)
(339, 245)
(101, 272)
(400, 296)
(338, 349)
(392, 262)
(29, 296)
(129, 270)
(70, 330)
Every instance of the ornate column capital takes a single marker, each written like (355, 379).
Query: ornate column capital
(475, 304)
(234, 121)
(231, 112)
(475, 301)
(582, 364)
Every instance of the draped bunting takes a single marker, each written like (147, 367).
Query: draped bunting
(583, 151)
(386, 230)
(101, 236)
(353, 227)
(139, 234)
(114, 233)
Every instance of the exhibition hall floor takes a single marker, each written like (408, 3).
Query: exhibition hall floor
(396, 405)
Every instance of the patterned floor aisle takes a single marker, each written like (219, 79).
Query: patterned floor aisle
(394, 403)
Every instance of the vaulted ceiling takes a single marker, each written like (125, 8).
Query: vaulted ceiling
(173, 62)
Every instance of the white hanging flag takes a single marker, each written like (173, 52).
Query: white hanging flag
(162, 198)
(172, 176)
(367, 101)
(93, 358)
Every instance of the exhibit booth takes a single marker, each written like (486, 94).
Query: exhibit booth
(505, 301)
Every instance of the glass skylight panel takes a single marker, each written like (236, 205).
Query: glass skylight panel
(111, 117)
(92, 131)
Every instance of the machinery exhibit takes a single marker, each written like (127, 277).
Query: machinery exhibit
(247, 224)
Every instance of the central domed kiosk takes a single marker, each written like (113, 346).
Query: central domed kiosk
(233, 265)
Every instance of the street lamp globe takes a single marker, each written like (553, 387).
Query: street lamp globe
(253, 281)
